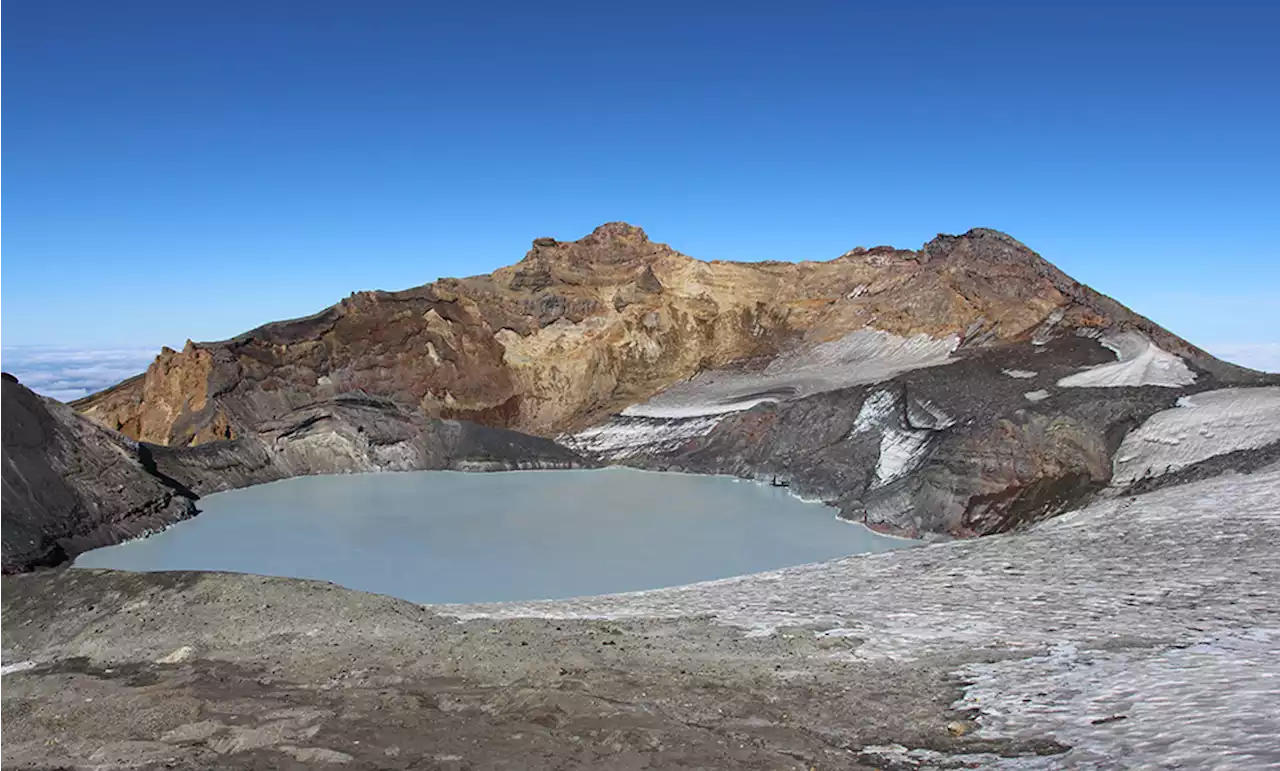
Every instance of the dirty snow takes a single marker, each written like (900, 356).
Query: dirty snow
(694, 407)
(17, 666)
(177, 656)
(1141, 632)
(1210, 703)
(901, 452)
(1200, 427)
(1140, 363)
(902, 447)
(876, 410)
(864, 356)
(625, 436)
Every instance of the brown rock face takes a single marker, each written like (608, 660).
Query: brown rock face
(71, 485)
(579, 330)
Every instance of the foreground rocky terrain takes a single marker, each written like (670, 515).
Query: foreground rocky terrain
(1139, 632)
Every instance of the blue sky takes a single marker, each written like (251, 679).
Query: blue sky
(176, 170)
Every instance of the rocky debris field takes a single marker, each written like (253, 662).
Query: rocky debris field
(1138, 632)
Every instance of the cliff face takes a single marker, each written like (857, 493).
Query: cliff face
(964, 388)
(71, 485)
(577, 331)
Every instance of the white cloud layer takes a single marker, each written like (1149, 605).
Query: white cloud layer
(68, 374)
(1260, 356)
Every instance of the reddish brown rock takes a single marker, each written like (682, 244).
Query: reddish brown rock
(579, 330)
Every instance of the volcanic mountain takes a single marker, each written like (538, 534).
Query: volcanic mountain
(963, 388)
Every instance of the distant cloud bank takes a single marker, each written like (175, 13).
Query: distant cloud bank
(67, 374)
(1261, 356)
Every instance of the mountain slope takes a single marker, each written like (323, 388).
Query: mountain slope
(578, 330)
(964, 388)
(70, 485)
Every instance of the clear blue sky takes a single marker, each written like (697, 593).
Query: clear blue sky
(176, 170)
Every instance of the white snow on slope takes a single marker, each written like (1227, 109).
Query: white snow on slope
(1150, 566)
(692, 408)
(864, 356)
(1160, 608)
(623, 437)
(1208, 704)
(1036, 396)
(902, 447)
(1021, 374)
(876, 410)
(1140, 363)
(901, 451)
(19, 666)
(1201, 426)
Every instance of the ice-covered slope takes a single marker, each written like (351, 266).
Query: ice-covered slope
(863, 356)
(1140, 632)
(1141, 362)
(1201, 427)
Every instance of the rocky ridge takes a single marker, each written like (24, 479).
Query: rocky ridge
(579, 330)
(879, 381)
(71, 485)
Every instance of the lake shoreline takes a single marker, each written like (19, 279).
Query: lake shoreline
(517, 535)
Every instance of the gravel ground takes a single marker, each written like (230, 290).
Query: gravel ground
(1138, 632)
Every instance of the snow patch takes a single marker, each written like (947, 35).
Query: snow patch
(876, 409)
(694, 410)
(177, 656)
(625, 435)
(901, 452)
(1140, 363)
(1036, 396)
(17, 666)
(1136, 708)
(864, 356)
(1200, 427)
(902, 446)
(1021, 374)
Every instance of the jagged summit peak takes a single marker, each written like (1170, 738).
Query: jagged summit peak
(613, 243)
(975, 234)
(609, 231)
(619, 230)
(985, 244)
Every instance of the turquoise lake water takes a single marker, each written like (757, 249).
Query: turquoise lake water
(444, 536)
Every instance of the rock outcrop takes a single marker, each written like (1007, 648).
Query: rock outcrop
(71, 484)
(579, 330)
(965, 388)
